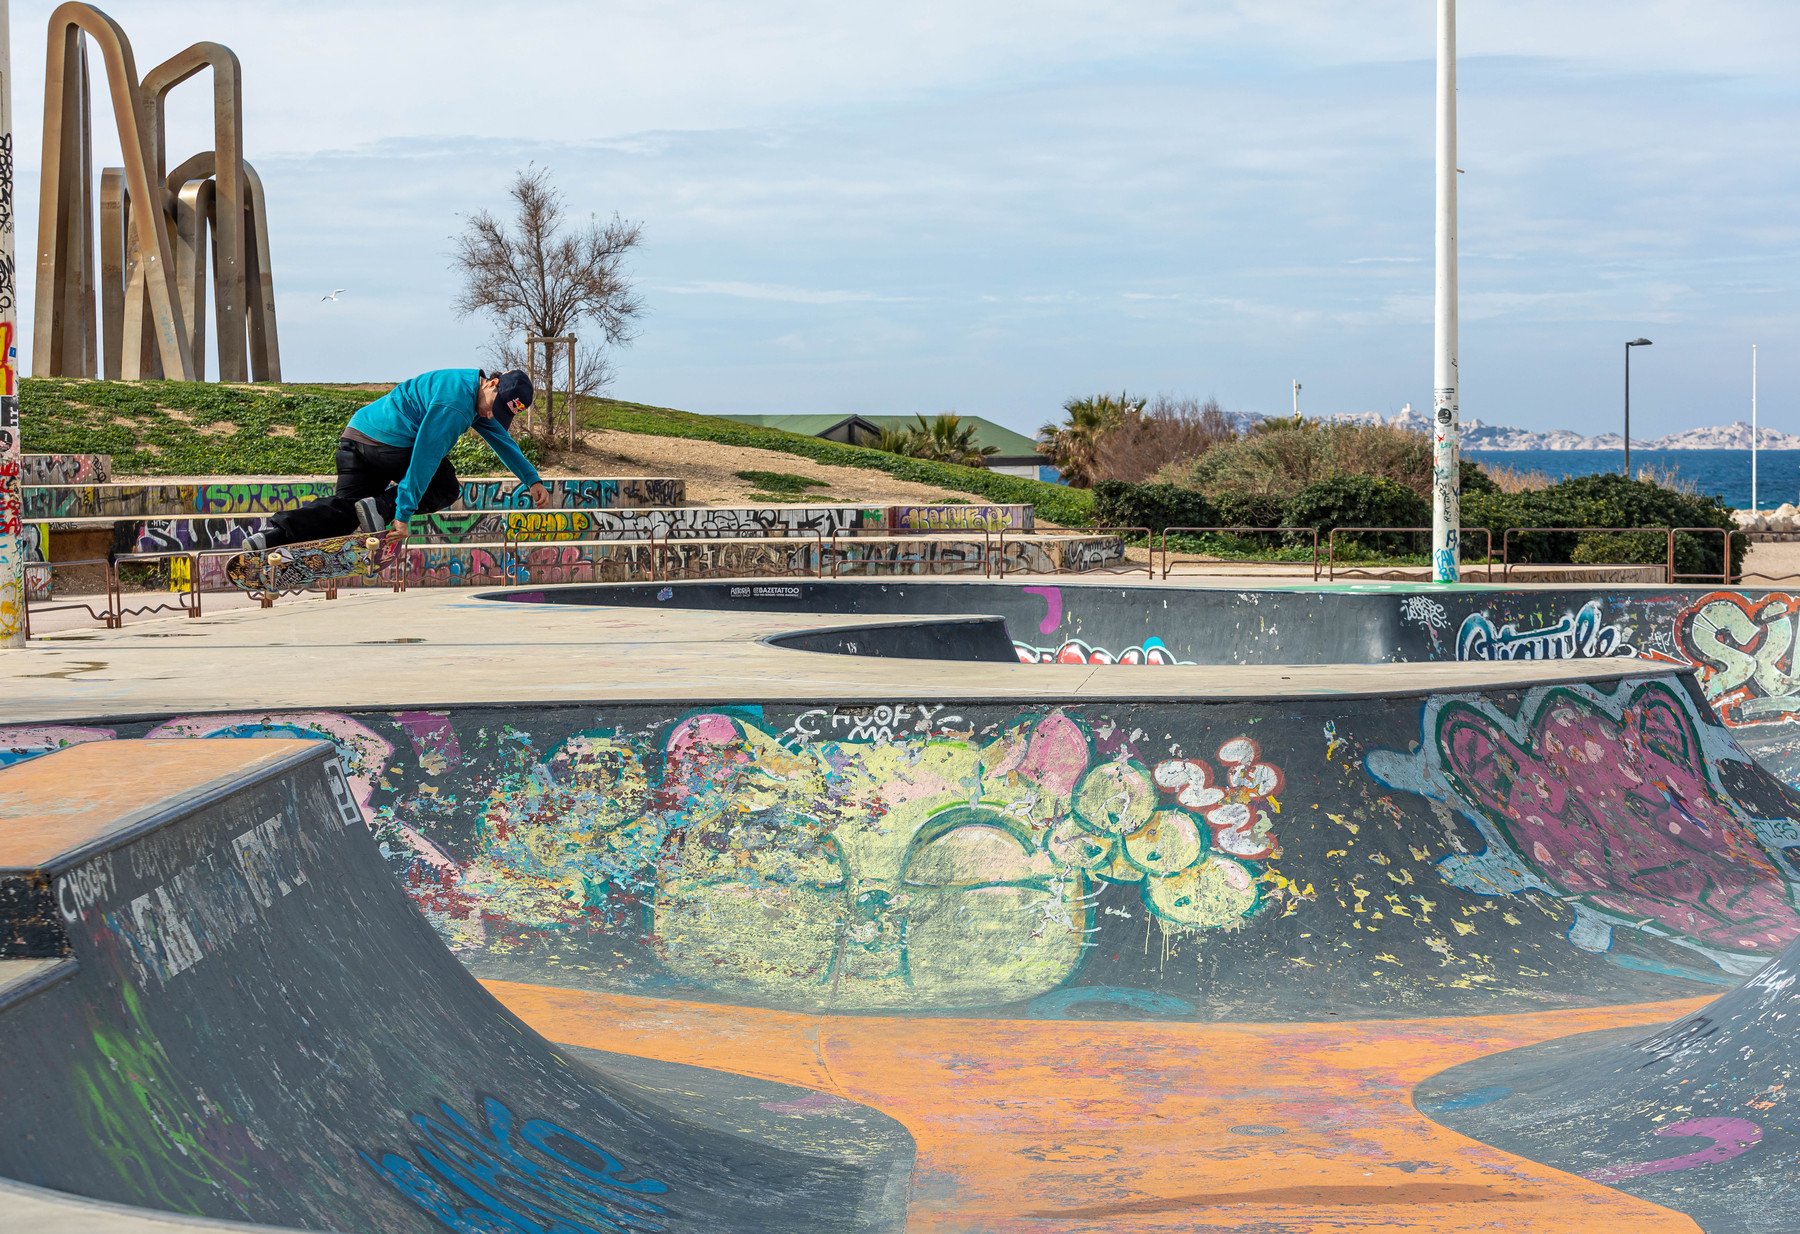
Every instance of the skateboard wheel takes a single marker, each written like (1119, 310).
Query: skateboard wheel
(372, 542)
(276, 559)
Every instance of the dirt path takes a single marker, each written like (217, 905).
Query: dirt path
(709, 469)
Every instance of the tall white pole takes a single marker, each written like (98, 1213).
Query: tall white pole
(1446, 471)
(12, 528)
(1753, 433)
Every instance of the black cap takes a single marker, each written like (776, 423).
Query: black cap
(515, 388)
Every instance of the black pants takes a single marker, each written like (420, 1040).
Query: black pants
(364, 470)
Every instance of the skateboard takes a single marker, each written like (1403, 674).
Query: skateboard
(311, 562)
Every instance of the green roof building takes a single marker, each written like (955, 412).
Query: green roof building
(1017, 455)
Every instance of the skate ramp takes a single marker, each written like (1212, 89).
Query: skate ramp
(1164, 958)
(1698, 1115)
(1740, 641)
(1541, 846)
(219, 1005)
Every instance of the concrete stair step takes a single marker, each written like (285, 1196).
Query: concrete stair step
(490, 565)
(77, 539)
(267, 495)
(65, 469)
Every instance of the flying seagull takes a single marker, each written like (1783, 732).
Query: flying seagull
(334, 295)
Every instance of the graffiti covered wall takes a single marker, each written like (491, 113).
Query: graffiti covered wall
(270, 496)
(67, 469)
(1209, 861)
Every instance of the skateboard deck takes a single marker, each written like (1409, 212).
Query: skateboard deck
(310, 562)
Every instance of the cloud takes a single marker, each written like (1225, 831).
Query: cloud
(1000, 204)
(785, 295)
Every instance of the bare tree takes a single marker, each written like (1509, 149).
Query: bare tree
(537, 276)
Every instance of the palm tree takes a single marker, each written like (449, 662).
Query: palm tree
(942, 439)
(949, 440)
(1071, 445)
(898, 441)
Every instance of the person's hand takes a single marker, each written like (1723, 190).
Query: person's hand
(540, 497)
(396, 535)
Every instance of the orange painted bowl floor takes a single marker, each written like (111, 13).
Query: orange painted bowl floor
(1064, 1127)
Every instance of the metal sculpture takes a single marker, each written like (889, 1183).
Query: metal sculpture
(156, 225)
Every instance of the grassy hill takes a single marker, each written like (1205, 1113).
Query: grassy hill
(189, 428)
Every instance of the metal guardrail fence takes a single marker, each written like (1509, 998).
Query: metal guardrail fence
(1304, 535)
(1670, 574)
(1350, 569)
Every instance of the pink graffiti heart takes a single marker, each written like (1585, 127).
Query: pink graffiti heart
(1623, 813)
(1731, 1137)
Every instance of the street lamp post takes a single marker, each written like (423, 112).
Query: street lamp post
(1446, 430)
(1636, 342)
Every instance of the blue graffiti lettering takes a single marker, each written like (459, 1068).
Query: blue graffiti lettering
(484, 1182)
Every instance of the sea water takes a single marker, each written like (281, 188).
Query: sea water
(1713, 473)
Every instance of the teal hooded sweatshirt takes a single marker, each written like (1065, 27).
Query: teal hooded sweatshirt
(426, 414)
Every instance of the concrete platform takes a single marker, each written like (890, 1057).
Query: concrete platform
(438, 648)
(1155, 932)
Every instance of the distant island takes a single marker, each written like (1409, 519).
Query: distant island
(1479, 436)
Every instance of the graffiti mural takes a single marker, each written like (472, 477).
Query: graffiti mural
(24, 741)
(1743, 647)
(271, 496)
(960, 518)
(1073, 651)
(67, 469)
(1123, 859)
(1612, 802)
(1583, 634)
(923, 869)
(12, 555)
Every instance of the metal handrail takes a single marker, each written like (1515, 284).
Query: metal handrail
(117, 591)
(1331, 567)
(109, 618)
(1246, 531)
(1081, 533)
(513, 553)
(1668, 534)
(928, 537)
(1725, 534)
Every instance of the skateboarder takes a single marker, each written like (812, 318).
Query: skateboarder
(393, 462)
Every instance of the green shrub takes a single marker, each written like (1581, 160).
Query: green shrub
(1621, 548)
(1248, 510)
(1475, 479)
(1156, 506)
(1607, 501)
(1283, 458)
(1361, 501)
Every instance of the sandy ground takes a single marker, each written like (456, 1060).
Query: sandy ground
(708, 468)
(1775, 560)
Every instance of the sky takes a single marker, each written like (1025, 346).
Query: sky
(994, 207)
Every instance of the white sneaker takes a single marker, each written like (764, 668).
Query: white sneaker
(368, 516)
